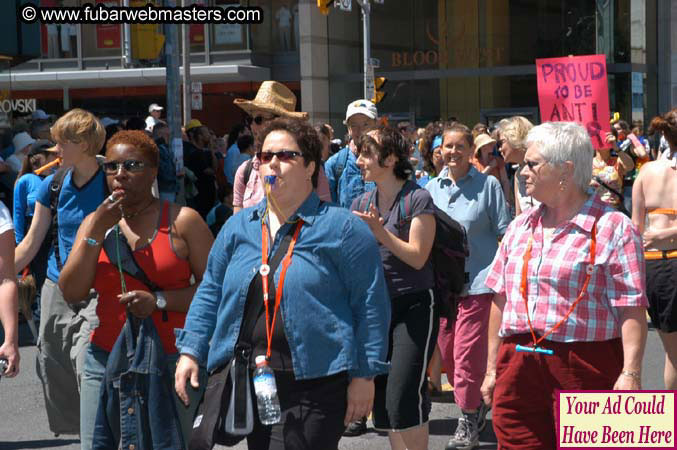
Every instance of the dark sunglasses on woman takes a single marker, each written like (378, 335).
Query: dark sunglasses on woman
(130, 165)
(282, 155)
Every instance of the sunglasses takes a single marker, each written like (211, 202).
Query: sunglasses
(532, 164)
(130, 165)
(258, 120)
(282, 155)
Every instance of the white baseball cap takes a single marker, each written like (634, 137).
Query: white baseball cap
(155, 107)
(362, 107)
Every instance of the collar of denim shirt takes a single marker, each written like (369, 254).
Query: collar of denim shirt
(306, 212)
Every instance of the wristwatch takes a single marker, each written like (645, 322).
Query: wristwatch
(160, 300)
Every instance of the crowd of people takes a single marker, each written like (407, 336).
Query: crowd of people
(316, 254)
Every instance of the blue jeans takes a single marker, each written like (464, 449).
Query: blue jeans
(92, 376)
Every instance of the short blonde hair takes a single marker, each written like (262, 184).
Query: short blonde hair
(515, 130)
(78, 126)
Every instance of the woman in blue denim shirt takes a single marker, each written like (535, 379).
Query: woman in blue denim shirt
(331, 334)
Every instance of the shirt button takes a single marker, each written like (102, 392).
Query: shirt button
(130, 411)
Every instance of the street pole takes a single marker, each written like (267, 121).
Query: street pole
(126, 40)
(172, 58)
(366, 31)
(186, 70)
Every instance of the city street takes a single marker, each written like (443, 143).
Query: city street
(23, 422)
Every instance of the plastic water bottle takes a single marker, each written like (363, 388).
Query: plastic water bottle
(266, 392)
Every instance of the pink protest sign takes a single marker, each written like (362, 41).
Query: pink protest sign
(574, 89)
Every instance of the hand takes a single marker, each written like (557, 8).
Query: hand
(108, 213)
(649, 237)
(186, 368)
(610, 138)
(373, 219)
(139, 303)
(627, 383)
(487, 389)
(10, 352)
(360, 399)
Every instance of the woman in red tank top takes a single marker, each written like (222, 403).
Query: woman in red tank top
(169, 243)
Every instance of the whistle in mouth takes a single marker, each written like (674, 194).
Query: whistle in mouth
(545, 351)
(270, 179)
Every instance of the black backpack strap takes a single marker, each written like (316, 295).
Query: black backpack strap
(116, 243)
(248, 170)
(342, 161)
(55, 186)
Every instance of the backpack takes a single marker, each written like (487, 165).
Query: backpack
(448, 254)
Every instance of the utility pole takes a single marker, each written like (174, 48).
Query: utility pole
(172, 57)
(365, 5)
(126, 41)
(186, 70)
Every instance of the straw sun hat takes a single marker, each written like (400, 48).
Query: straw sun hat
(273, 98)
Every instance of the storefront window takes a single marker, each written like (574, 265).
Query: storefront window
(279, 31)
(227, 36)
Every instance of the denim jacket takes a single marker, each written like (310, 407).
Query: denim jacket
(136, 404)
(335, 306)
(349, 185)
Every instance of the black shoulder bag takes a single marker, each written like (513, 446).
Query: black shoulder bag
(228, 398)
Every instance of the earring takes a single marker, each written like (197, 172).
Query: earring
(562, 185)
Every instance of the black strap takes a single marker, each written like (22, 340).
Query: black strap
(127, 261)
(251, 313)
(54, 191)
(612, 190)
(248, 170)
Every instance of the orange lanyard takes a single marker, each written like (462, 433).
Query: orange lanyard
(525, 272)
(265, 271)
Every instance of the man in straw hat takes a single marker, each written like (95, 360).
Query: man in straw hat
(272, 100)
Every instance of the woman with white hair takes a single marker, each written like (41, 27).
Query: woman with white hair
(570, 303)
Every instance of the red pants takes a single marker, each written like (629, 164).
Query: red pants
(464, 347)
(524, 400)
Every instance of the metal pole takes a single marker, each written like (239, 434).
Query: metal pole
(127, 40)
(186, 70)
(172, 58)
(366, 31)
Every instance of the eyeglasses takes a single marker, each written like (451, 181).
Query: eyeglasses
(282, 155)
(258, 120)
(130, 165)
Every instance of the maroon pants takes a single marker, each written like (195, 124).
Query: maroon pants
(525, 399)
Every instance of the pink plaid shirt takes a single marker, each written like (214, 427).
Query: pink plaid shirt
(557, 270)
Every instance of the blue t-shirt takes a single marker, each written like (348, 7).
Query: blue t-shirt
(230, 163)
(25, 195)
(74, 205)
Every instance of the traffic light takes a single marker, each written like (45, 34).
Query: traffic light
(379, 95)
(324, 6)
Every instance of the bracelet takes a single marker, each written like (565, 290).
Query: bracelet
(634, 375)
(91, 242)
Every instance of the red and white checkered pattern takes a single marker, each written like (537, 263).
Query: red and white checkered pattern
(557, 272)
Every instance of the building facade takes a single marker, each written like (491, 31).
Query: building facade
(472, 60)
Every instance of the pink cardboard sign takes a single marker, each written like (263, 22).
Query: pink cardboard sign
(574, 89)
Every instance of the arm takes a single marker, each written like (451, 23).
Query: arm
(638, 204)
(19, 213)
(625, 163)
(633, 334)
(9, 304)
(416, 252)
(26, 251)
(495, 319)
(77, 276)
(329, 168)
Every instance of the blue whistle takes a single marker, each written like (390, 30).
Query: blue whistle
(270, 179)
(545, 351)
